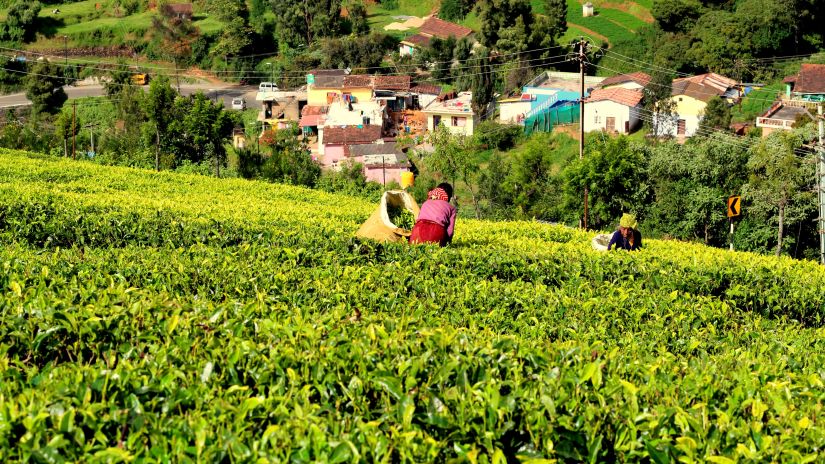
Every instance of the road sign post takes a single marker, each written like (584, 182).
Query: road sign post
(734, 210)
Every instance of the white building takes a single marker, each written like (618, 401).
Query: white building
(612, 110)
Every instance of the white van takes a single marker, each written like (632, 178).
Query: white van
(267, 87)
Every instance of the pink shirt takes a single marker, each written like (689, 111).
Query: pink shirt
(439, 212)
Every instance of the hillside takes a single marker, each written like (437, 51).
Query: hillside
(156, 316)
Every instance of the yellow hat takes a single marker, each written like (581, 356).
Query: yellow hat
(629, 221)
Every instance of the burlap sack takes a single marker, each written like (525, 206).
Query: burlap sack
(600, 242)
(379, 227)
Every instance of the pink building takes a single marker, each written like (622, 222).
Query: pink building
(382, 163)
(337, 139)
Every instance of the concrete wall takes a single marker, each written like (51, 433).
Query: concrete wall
(447, 120)
(596, 114)
(510, 111)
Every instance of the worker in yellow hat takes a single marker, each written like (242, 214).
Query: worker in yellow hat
(626, 237)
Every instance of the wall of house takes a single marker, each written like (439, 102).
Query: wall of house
(406, 50)
(425, 99)
(509, 111)
(447, 120)
(331, 155)
(596, 114)
(376, 174)
(318, 96)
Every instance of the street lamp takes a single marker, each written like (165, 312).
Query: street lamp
(271, 71)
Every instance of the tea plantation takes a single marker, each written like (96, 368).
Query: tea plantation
(156, 317)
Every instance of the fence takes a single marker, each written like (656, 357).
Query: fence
(545, 121)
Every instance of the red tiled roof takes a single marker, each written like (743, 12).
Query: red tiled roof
(351, 134)
(426, 89)
(619, 95)
(442, 29)
(358, 80)
(638, 77)
(417, 40)
(811, 79)
(392, 82)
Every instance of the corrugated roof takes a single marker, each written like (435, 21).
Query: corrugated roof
(329, 82)
(638, 77)
(375, 149)
(702, 87)
(619, 95)
(348, 135)
(442, 29)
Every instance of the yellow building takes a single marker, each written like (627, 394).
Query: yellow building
(690, 96)
(328, 89)
(456, 114)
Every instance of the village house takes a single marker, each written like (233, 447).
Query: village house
(807, 85)
(782, 115)
(547, 92)
(382, 162)
(336, 142)
(280, 108)
(613, 109)
(631, 81)
(690, 96)
(181, 11)
(455, 112)
(432, 27)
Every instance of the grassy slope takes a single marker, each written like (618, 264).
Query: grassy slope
(756, 102)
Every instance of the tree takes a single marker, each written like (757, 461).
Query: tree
(120, 77)
(19, 25)
(176, 35)
(454, 10)
(556, 13)
(44, 88)
(357, 14)
(658, 102)
(615, 173)
(779, 186)
(676, 15)
(206, 126)
(496, 15)
(302, 21)
(690, 184)
(289, 161)
(716, 116)
(439, 57)
(236, 34)
(158, 107)
(483, 80)
(453, 158)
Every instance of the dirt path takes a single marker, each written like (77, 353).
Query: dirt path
(629, 7)
(589, 32)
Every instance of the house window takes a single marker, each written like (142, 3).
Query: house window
(459, 121)
(436, 121)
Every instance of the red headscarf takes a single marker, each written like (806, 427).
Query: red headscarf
(437, 194)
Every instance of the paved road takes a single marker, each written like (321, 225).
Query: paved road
(224, 92)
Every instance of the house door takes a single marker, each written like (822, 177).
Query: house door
(610, 124)
(680, 127)
(627, 127)
(436, 121)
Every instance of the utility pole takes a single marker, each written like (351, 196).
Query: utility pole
(582, 57)
(66, 59)
(74, 131)
(820, 158)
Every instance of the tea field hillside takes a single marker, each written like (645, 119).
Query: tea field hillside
(159, 317)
